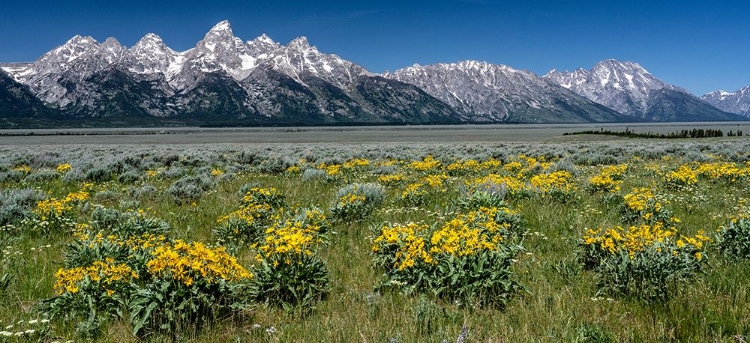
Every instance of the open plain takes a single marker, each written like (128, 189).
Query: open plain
(496, 233)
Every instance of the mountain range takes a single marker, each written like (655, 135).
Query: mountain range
(225, 81)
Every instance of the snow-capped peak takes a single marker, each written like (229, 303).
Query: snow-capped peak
(263, 38)
(300, 43)
(612, 64)
(151, 56)
(80, 40)
(262, 47)
(71, 50)
(494, 91)
(624, 86)
(737, 102)
(221, 26)
(112, 50)
(149, 40)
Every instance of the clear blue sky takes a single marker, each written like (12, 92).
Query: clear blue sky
(699, 45)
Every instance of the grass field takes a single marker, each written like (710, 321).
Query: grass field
(75, 204)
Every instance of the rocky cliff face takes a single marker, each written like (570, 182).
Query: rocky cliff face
(737, 102)
(225, 81)
(487, 92)
(222, 79)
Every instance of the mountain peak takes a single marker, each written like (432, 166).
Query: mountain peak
(221, 26)
(111, 41)
(263, 38)
(737, 102)
(624, 86)
(81, 40)
(150, 37)
(615, 64)
(299, 43)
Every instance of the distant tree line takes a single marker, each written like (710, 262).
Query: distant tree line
(694, 133)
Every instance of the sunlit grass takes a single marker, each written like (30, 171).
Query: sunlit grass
(559, 303)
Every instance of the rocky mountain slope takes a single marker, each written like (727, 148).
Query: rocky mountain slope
(630, 89)
(487, 92)
(221, 81)
(737, 102)
(224, 80)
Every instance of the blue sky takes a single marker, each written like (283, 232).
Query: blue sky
(699, 45)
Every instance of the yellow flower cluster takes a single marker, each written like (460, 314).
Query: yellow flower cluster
(683, 176)
(609, 179)
(76, 197)
(632, 239)
(385, 163)
(250, 213)
(22, 168)
(217, 172)
(522, 166)
(64, 168)
(465, 235)
(411, 241)
(458, 237)
(722, 170)
(84, 234)
(512, 184)
(291, 239)
(187, 263)
(641, 199)
(332, 170)
(262, 196)
(434, 180)
(463, 167)
(471, 166)
(414, 192)
(635, 239)
(513, 167)
(351, 199)
(293, 169)
(654, 168)
(604, 183)
(104, 272)
(257, 194)
(390, 179)
(54, 207)
(428, 163)
(614, 171)
(556, 181)
(697, 241)
(51, 207)
(489, 164)
(357, 162)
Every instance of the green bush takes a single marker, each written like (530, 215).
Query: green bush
(644, 262)
(357, 201)
(734, 238)
(468, 259)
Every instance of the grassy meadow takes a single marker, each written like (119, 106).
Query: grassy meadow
(588, 241)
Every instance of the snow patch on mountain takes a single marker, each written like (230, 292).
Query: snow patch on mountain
(737, 102)
(622, 86)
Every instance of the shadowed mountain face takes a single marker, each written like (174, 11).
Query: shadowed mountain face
(17, 101)
(225, 81)
(670, 105)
